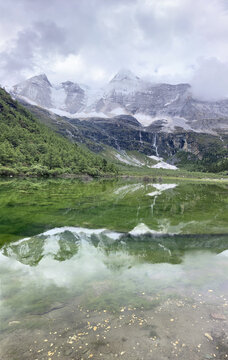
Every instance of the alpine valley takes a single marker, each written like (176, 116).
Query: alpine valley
(134, 121)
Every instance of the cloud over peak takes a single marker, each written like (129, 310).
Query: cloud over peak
(88, 41)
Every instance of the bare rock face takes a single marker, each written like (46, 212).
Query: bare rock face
(75, 97)
(37, 90)
(163, 106)
(67, 96)
(151, 100)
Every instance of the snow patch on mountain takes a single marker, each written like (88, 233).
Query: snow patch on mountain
(79, 115)
(164, 165)
(169, 123)
(27, 100)
(144, 119)
(156, 158)
(161, 163)
(58, 97)
(172, 122)
(128, 159)
(91, 114)
(118, 111)
(62, 113)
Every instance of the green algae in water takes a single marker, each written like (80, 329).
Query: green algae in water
(124, 256)
(29, 208)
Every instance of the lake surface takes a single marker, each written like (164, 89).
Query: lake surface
(113, 269)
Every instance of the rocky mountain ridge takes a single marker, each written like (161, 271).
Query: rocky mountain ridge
(164, 106)
(123, 133)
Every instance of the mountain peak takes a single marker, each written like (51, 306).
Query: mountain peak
(125, 74)
(40, 78)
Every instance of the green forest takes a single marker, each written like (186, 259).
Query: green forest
(28, 147)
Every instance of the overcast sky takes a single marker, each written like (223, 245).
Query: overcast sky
(88, 41)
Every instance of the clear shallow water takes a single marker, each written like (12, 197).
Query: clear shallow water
(150, 281)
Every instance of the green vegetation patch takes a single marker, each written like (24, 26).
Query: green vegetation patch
(30, 148)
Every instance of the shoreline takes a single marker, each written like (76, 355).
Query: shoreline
(143, 177)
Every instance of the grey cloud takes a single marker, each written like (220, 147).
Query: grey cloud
(50, 37)
(160, 39)
(210, 80)
(42, 39)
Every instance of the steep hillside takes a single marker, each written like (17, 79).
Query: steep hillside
(130, 113)
(28, 147)
(187, 149)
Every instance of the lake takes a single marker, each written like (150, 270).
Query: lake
(113, 269)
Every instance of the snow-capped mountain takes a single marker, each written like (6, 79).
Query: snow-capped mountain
(36, 90)
(67, 96)
(170, 106)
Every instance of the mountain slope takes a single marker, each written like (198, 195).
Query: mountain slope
(28, 147)
(67, 96)
(173, 106)
(192, 150)
(130, 113)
